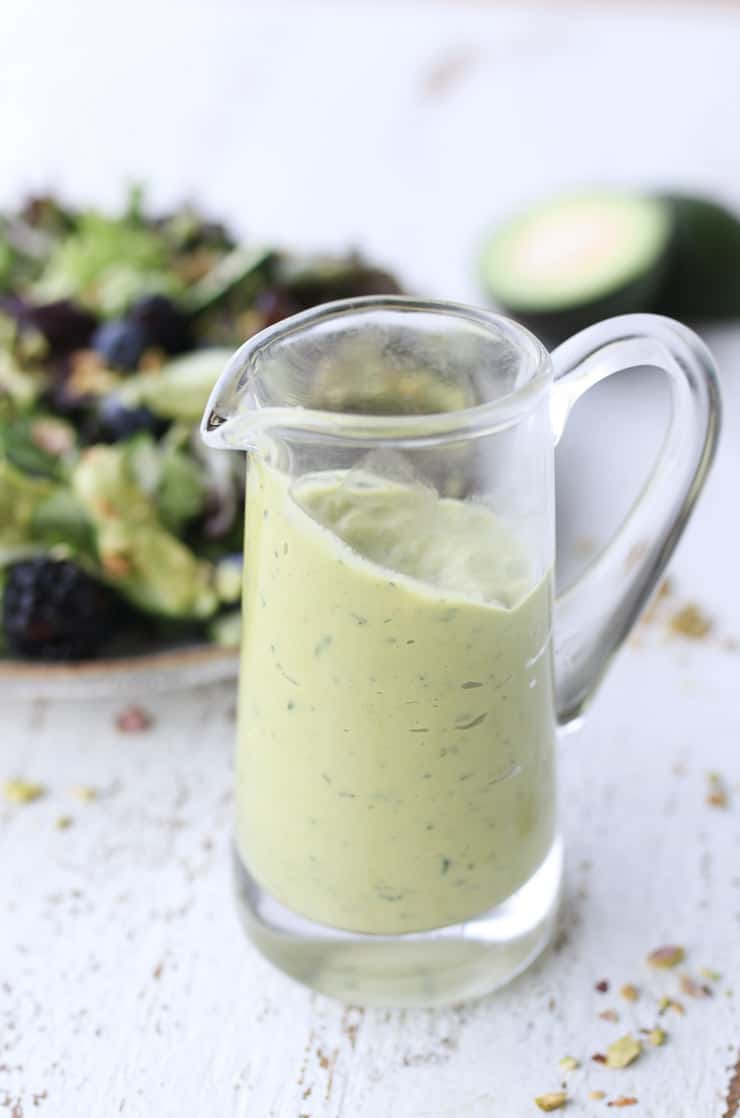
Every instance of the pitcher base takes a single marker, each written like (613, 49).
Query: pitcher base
(430, 968)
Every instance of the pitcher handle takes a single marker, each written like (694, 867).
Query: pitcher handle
(594, 616)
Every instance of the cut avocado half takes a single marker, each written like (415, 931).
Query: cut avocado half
(567, 263)
(703, 277)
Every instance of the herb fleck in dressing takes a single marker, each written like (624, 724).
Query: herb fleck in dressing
(395, 757)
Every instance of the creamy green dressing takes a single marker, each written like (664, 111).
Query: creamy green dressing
(395, 754)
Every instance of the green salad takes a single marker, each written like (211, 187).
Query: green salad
(119, 530)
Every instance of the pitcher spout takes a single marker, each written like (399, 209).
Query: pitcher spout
(233, 414)
(383, 368)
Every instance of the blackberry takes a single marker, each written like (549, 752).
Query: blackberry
(65, 325)
(116, 422)
(274, 304)
(120, 342)
(164, 325)
(53, 610)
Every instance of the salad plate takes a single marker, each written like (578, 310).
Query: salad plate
(120, 532)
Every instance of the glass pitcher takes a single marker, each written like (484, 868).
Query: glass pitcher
(396, 822)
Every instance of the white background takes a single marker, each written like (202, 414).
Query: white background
(405, 128)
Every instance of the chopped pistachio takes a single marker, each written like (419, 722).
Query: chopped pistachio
(629, 992)
(23, 791)
(596, 1095)
(569, 1063)
(64, 822)
(710, 975)
(671, 1003)
(664, 957)
(554, 1100)
(657, 1037)
(53, 436)
(692, 988)
(623, 1052)
(85, 792)
(690, 621)
(116, 564)
(609, 1015)
(152, 359)
(716, 791)
(623, 1100)
(133, 720)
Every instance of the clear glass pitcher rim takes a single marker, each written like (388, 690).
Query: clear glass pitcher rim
(224, 424)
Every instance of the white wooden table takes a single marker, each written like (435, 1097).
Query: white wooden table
(126, 986)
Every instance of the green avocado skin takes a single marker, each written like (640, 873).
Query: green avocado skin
(702, 279)
(553, 327)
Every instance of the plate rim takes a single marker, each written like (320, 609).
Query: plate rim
(168, 659)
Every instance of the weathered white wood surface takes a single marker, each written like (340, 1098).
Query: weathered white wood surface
(126, 986)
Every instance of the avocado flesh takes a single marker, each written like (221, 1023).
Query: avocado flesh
(147, 564)
(568, 263)
(21, 497)
(180, 389)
